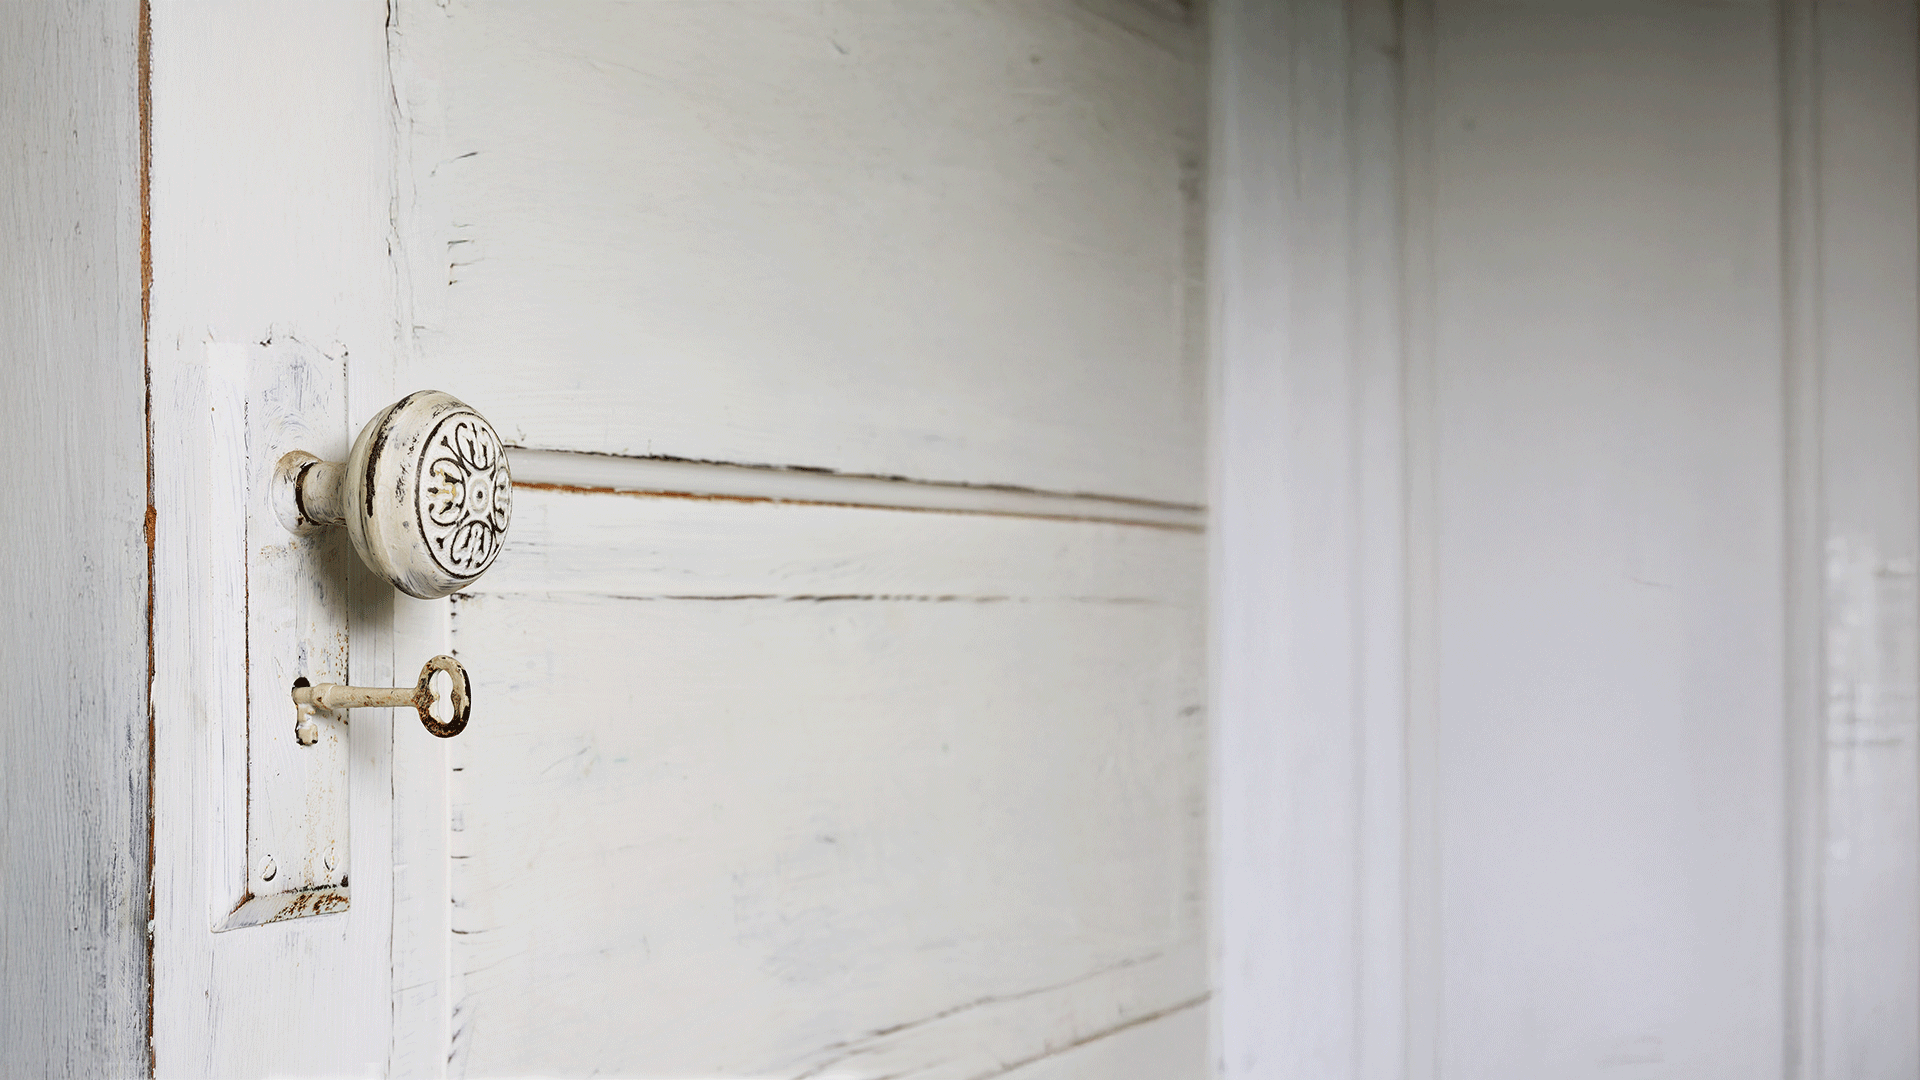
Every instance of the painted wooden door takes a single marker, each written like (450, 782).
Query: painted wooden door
(838, 693)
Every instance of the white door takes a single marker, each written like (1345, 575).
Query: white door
(838, 692)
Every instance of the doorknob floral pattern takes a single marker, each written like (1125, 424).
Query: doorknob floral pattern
(466, 494)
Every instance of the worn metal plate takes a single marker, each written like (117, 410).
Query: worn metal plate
(297, 626)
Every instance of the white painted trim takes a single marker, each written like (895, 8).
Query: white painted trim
(1421, 853)
(1802, 691)
(1308, 541)
(200, 467)
(232, 264)
(1379, 599)
(1852, 135)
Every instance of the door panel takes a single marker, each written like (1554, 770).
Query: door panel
(774, 778)
(945, 241)
(750, 801)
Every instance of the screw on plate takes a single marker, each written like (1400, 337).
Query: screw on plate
(332, 699)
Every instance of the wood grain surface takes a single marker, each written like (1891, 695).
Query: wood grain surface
(941, 241)
(777, 770)
(791, 790)
(74, 854)
(992, 708)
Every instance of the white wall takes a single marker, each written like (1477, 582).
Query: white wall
(73, 580)
(1567, 634)
(1608, 541)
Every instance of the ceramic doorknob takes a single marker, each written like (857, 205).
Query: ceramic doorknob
(425, 494)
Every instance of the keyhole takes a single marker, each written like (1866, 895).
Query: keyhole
(305, 731)
(442, 686)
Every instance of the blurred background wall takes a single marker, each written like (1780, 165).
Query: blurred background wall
(1566, 526)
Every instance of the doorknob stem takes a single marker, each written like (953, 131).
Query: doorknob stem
(321, 492)
(308, 493)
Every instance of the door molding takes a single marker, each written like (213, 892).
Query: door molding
(1309, 540)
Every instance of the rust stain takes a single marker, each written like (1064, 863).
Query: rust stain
(582, 489)
(320, 900)
(647, 493)
(143, 62)
(892, 478)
